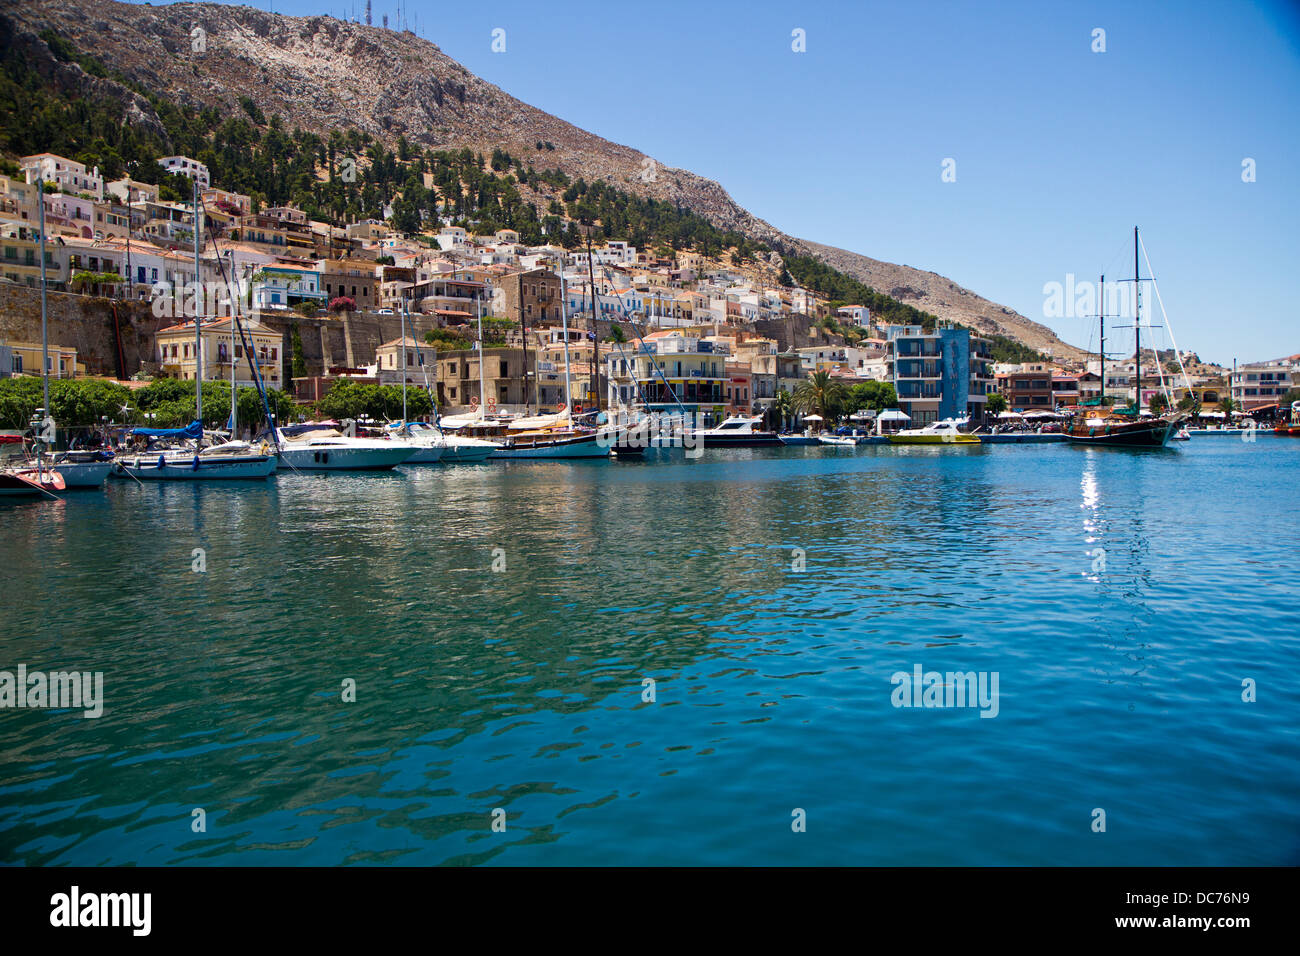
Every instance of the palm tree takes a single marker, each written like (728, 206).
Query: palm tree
(781, 406)
(821, 394)
(1227, 406)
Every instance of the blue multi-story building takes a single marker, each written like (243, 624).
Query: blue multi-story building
(943, 373)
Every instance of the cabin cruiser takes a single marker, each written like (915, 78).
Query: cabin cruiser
(436, 445)
(321, 446)
(945, 432)
(738, 431)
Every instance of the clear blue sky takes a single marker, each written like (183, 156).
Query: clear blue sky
(1059, 151)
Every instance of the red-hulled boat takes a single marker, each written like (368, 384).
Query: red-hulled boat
(29, 481)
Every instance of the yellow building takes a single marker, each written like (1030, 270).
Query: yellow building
(25, 359)
(175, 351)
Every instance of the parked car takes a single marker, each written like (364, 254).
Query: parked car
(384, 312)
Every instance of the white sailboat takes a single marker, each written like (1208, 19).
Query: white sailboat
(192, 460)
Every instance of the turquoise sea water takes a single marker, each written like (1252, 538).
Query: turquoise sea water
(1121, 598)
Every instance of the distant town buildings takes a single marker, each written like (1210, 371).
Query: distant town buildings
(674, 333)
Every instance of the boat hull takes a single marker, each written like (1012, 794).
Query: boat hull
(1152, 434)
(466, 454)
(343, 458)
(208, 468)
(84, 474)
(27, 482)
(586, 446)
(427, 455)
(959, 439)
(756, 440)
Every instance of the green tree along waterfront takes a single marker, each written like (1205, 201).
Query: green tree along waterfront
(164, 403)
(347, 399)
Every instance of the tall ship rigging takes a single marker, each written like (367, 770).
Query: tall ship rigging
(1124, 428)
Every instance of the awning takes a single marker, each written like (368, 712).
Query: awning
(893, 415)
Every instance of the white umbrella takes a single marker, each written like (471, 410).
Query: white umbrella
(1010, 415)
(813, 418)
(893, 415)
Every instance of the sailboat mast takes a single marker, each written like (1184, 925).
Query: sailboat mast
(1137, 327)
(45, 339)
(403, 361)
(482, 395)
(234, 389)
(1101, 348)
(564, 323)
(198, 323)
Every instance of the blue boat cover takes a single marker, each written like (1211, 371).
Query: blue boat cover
(192, 430)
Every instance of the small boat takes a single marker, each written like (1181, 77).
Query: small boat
(320, 446)
(84, 469)
(838, 441)
(944, 432)
(738, 431)
(22, 482)
(1182, 435)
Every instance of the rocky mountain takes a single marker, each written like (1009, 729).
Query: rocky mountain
(320, 73)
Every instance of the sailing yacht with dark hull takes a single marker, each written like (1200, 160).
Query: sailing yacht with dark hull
(1123, 429)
